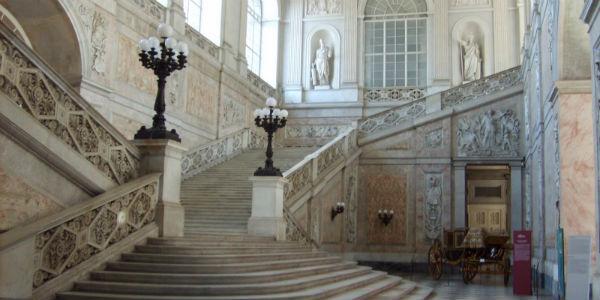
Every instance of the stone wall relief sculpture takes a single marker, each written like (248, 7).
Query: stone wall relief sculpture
(432, 216)
(320, 68)
(351, 203)
(96, 24)
(233, 113)
(495, 132)
(433, 138)
(323, 7)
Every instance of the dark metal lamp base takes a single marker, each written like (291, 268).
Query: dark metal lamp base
(268, 172)
(156, 133)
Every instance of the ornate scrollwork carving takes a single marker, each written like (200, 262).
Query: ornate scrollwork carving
(29, 88)
(196, 38)
(260, 84)
(432, 206)
(391, 118)
(399, 94)
(78, 239)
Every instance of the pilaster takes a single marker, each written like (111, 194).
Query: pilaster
(293, 56)
(516, 199)
(441, 44)
(459, 195)
(350, 58)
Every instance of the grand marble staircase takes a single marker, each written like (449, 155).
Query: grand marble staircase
(217, 260)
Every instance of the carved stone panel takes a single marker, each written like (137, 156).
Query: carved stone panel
(96, 23)
(313, 131)
(491, 133)
(351, 201)
(202, 95)
(130, 70)
(323, 7)
(432, 206)
(233, 113)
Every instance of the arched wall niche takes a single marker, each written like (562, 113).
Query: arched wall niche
(51, 33)
(482, 34)
(331, 39)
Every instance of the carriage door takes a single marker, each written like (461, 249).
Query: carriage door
(488, 201)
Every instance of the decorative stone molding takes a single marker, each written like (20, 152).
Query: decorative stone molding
(233, 113)
(461, 3)
(89, 232)
(313, 131)
(196, 38)
(26, 82)
(293, 231)
(260, 84)
(432, 206)
(433, 138)
(485, 86)
(493, 133)
(323, 7)
(392, 117)
(330, 155)
(399, 94)
(218, 151)
(96, 24)
(151, 8)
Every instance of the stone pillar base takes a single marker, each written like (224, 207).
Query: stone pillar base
(265, 226)
(267, 207)
(170, 219)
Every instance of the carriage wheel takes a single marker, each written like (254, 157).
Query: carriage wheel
(434, 259)
(506, 270)
(469, 271)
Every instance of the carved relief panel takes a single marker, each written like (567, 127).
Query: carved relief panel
(130, 70)
(323, 7)
(490, 133)
(202, 96)
(233, 113)
(351, 201)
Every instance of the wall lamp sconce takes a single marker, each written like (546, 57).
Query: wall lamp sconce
(385, 216)
(337, 209)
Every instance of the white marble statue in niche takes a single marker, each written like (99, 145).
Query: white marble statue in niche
(320, 69)
(433, 203)
(491, 133)
(470, 59)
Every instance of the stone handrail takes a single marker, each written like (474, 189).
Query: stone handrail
(66, 239)
(196, 38)
(31, 85)
(205, 156)
(304, 174)
(260, 84)
(450, 98)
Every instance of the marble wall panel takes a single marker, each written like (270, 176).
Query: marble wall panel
(301, 216)
(398, 146)
(331, 230)
(384, 187)
(20, 203)
(202, 96)
(434, 139)
(130, 70)
(233, 112)
(551, 178)
(127, 126)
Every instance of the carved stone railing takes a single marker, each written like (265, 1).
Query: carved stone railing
(218, 151)
(196, 38)
(260, 84)
(305, 174)
(64, 240)
(488, 85)
(450, 98)
(29, 83)
(395, 94)
(392, 117)
(151, 8)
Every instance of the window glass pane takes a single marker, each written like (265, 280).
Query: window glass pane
(164, 3)
(210, 20)
(422, 70)
(193, 14)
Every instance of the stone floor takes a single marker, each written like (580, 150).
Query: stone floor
(451, 286)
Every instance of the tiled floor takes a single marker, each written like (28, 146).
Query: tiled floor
(450, 286)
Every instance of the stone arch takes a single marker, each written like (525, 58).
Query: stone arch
(51, 33)
(483, 35)
(331, 38)
(362, 5)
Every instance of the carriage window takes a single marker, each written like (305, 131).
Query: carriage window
(488, 191)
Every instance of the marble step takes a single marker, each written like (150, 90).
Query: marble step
(219, 250)
(221, 268)
(207, 235)
(373, 289)
(216, 279)
(213, 259)
(192, 242)
(279, 286)
(419, 293)
(201, 231)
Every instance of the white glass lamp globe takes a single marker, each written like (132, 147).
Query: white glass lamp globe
(257, 112)
(144, 45)
(271, 101)
(183, 48)
(265, 112)
(164, 30)
(154, 42)
(171, 43)
(284, 113)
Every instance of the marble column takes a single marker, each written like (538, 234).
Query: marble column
(267, 207)
(164, 156)
(516, 199)
(441, 43)
(460, 204)
(349, 65)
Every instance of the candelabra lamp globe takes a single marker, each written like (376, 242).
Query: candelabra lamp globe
(163, 58)
(270, 119)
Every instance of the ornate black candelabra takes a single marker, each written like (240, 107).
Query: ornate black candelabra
(270, 119)
(385, 216)
(163, 57)
(337, 209)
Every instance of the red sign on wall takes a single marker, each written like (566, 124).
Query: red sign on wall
(522, 262)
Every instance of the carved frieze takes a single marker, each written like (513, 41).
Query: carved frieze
(313, 131)
(151, 8)
(202, 94)
(233, 113)
(330, 155)
(433, 138)
(293, 232)
(297, 181)
(202, 42)
(29, 88)
(392, 118)
(323, 7)
(459, 3)
(78, 239)
(400, 94)
(351, 203)
(260, 84)
(492, 133)
(432, 206)
(96, 23)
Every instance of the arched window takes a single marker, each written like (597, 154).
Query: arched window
(396, 43)
(254, 35)
(205, 17)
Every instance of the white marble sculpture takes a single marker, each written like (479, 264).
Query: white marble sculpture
(491, 133)
(471, 59)
(433, 203)
(320, 70)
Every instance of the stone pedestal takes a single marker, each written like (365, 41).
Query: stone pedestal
(164, 156)
(267, 207)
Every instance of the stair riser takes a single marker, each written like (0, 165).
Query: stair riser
(183, 259)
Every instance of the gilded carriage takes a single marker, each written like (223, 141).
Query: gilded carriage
(473, 251)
